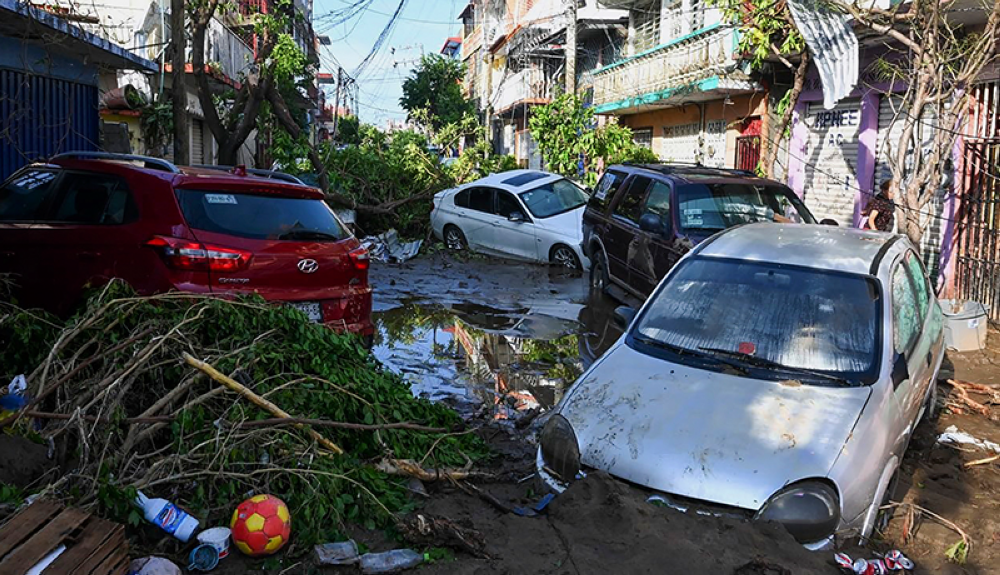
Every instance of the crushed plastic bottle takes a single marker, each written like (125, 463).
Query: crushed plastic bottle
(390, 561)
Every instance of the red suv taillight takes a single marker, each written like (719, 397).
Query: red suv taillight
(359, 257)
(194, 256)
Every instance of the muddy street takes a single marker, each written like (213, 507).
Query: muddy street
(502, 341)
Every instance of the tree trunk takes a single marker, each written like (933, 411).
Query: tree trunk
(178, 89)
(777, 134)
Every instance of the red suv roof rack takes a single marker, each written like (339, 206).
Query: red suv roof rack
(148, 162)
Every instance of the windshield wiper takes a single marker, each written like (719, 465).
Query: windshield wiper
(738, 366)
(307, 235)
(764, 362)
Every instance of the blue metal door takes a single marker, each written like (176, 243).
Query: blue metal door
(42, 116)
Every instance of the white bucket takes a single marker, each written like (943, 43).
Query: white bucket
(217, 537)
(965, 324)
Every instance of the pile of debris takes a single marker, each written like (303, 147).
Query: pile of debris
(201, 401)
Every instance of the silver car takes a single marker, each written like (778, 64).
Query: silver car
(777, 373)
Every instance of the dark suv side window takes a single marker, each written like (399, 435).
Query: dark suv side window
(94, 199)
(481, 200)
(630, 204)
(24, 196)
(606, 189)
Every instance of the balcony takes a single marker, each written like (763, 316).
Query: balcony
(698, 66)
(472, 42)
(529, 86)
(225, 51)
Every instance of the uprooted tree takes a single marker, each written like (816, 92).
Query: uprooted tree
(938, 60)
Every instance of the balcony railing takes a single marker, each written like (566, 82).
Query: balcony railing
(527, 85)
(702, 54)
(227, 49)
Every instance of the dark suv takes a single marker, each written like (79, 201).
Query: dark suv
(86, 217)
(642, 218)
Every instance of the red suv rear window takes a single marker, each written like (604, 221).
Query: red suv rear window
(260, 217)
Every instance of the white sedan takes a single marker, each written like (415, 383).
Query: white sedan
(525, 214)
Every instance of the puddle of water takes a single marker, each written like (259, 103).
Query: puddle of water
(510, 360)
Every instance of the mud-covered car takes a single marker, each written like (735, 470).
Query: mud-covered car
(777, 373)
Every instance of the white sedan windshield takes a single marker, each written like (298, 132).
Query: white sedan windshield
(800, 318)
(553, 198)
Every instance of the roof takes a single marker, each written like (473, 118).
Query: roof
(807, 245)
(692, 173)
(64, 37)
(522, 179)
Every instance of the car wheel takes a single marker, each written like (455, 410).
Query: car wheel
(930, 409)
(564, 256)
(454, 238)
(599, 273)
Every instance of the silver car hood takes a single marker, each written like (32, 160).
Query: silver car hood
(716, 437)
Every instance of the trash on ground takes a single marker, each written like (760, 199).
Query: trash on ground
(343, 553)
(390, 561)
(417, 487)
(892, 561)
(204, 557)
(167, 516)
(386, 247)
(47, 536)
(15, 398)
(537, 508)
(153, 566)
(953, 436)
(965, 324)
(217, 537)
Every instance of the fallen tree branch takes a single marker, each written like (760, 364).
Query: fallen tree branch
(410, 468)
(982, 461)
(918, 510)
(963, 400)
(256, 399)
(93, 419)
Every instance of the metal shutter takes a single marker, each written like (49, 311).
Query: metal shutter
(891, 121)
(715, 143)
(831, 159)
(681, 143)
(197, 142)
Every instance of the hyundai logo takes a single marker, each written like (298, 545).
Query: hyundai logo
(308, 266)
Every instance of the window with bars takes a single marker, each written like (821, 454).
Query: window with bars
(643, 137)
(646, 22)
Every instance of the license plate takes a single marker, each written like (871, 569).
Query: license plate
(310, 308)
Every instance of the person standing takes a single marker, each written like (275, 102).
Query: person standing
(880, 213)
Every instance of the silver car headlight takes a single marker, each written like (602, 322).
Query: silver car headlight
(810, 510)
(560, 450)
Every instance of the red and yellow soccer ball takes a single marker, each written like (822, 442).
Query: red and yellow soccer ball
(261, 525)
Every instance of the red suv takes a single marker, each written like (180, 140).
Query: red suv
(87, 217)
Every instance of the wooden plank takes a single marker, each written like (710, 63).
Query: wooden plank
(30, 519)
(112, 542)
(115, 564)
(79, 550)
(43, 542)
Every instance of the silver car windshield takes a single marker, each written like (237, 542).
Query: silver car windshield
(768, 316)
(553, 198)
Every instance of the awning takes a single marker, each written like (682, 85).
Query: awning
(22, 22)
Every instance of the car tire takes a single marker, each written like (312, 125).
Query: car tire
(454, 239)
(930, 409)
(599, 279)
(564, 256)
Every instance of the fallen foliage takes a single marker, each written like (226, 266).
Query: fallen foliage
(116, 398)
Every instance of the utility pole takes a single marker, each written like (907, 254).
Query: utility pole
(336, 105)
(571, 47)
(178, 89)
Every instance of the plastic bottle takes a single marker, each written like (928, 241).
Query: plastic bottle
(167, 516)
(390, 561)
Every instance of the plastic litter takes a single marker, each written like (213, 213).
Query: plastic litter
(217, 537)
(343, 553)
(153, 566)
(386, 247)
(390, 561)
(204, 557)
(955, 437)
(536, 508)
(14, 399)
(167, 516)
